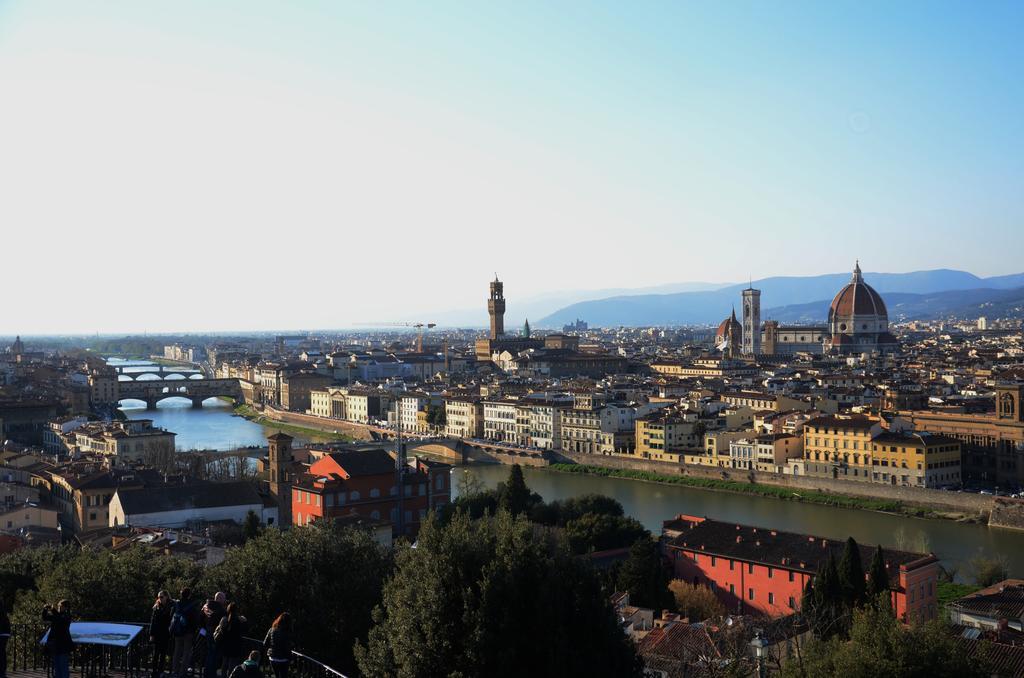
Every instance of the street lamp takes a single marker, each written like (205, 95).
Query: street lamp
(760, 645)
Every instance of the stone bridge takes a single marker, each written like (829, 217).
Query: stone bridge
(153, 391)
(161, 371)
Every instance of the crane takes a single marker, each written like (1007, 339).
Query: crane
(418, 325)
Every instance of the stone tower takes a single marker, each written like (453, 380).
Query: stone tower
(751, 321)
(771, 337)
(279, 458)
(496, 308)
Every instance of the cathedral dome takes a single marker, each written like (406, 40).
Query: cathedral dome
(722, 333)
(857, 299)
(858, 320)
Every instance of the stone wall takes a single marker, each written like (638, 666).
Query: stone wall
(937, 499)
(349, 428)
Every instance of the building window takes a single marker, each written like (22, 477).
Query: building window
(792, 603)
(732, 564)
(732, 589)
(771, 598)
(770, 573)
(790, 576)
(750, 568)
(750, 594)
(375, 515)
(354, 495)
(374, 493)
(713, 561)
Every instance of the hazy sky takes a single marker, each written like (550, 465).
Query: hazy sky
(219, 165)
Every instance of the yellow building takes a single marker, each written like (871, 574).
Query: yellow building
(665, 436)
(916, 459)
(839, 446)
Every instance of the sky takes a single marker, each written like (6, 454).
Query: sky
(170, 166)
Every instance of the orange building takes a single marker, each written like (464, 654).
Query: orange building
(363, 483)
(754, 570)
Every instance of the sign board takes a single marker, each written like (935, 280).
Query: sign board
(101, 633)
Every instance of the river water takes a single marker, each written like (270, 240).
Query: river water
(215, 427)
(651, 503)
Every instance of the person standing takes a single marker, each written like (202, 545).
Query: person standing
(160, 631)
(184, 622)
(229, 638)
(58, 639)
(5, 635)
(278, 644)
(213, 612)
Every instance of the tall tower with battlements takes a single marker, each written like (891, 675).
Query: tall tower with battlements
(496, 308)
(751, 321)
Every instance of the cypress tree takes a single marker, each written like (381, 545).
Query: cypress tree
(851, 575)
(878, 577)
(829, 610)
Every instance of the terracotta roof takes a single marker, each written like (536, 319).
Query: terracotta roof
(857, 298)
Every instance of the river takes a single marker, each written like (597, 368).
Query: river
(651, 503)
(215, 427)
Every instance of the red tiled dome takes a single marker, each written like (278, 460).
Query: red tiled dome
(857, 298)
(722, 333)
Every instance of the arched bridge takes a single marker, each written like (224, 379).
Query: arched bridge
(162, 371)
(153, 391)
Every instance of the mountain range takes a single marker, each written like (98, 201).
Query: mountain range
(916, 295)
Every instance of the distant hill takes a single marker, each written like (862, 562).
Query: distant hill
(901, 306)
(784, 293)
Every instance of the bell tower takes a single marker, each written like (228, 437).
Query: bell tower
(496, 308)
(279, 458)
(751, 321)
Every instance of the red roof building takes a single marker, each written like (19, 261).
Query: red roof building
(754, 570)
(363, 483)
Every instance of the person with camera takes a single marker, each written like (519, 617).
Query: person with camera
(58, 640)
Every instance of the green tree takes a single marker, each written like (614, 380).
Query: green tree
(878, 576)
(561, 512)
(493, 597)
(105, 585)
(329, 577)
(827, 613)
(513, 495)
(851, 575)
(251, 528)
(879, 645)
(597, 532)
(644, 576)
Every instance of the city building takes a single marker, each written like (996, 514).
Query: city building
(754, 570)
(363, 483)
(191, 505)
(122, 442)
(999, 605)
(497, 341)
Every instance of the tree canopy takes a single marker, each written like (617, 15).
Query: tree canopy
(498, 596)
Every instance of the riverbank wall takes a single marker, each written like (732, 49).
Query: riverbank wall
(1008, 514)
(961, 502)
(351, 429)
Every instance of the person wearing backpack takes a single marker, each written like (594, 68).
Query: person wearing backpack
(278, 644)
(250, 668)
(58, 640)
(184, 622)
(228, 637)
(160, 631)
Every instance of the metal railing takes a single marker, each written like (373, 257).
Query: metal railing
(26, 653)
